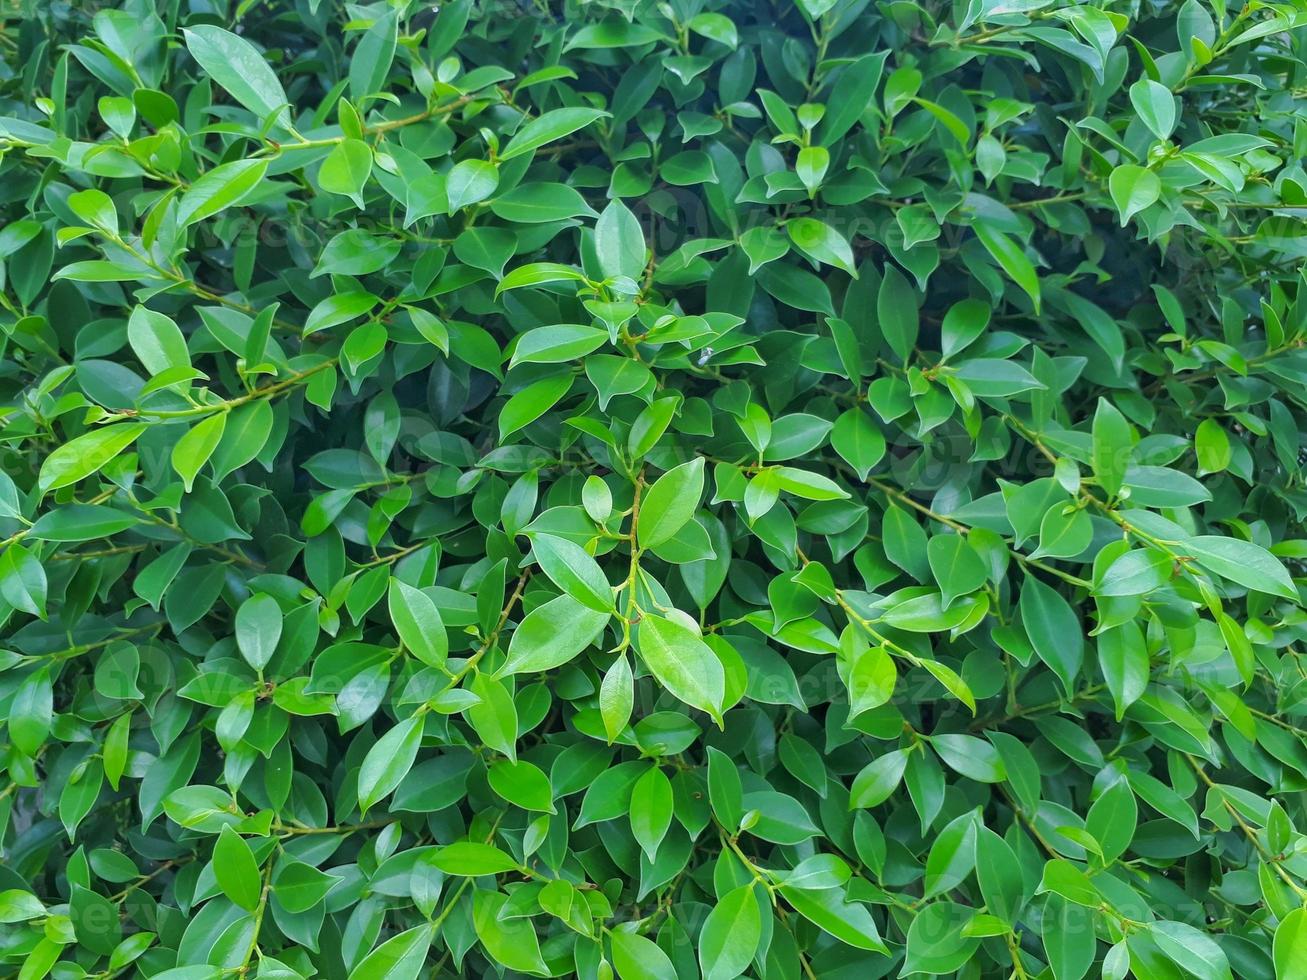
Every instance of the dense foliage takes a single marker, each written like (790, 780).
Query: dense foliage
(654, 489)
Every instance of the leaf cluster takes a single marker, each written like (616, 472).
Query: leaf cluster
(656, 490)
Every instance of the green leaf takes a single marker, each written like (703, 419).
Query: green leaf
(298, 887)
(470, 182)
(193, 449)
(347, 169)
(96, 208)
(1123, 656)
(388, 761)
(730, 935)
(670, 503)
(682, 663)
(1212, 446)
(373, 56)
(511, 942)
(471, 860)
(1243, 562)
(724, 789)
(1112, 820)
(1065, 532)
(870, 676)
(637, 958)
(811, 165)
(821, 242)
(157, 341)
(616, 698)
(536, 203)
(998, 873)
(1133, 189)
(553, 634)
(557, 344)
(715, 27)
(619, 242)
(878, 779)
(858, 440)
(1068, 936)
(952, 856)
(94, 920)
(1054, 630)
(23, 582)
(236, 65)
(570, 567)
(1064, 878)
(17, 905)
(493, 714)
(1291, 946)
(964, 322)
(551, 126)
(418, 622)
(80, 457)
(896, 309)
(853, 92)
(651, 810)
(236, 870)
(828, 909)
(258, 628)
(398, 958)
(1113, 445)
(522, 784)
(956, 566)
(539, 274)
(1191, 949)
(223, 187)
(1135, 573)
(532, 402)
(972, 757)
(1009, 255)
(1155, 105)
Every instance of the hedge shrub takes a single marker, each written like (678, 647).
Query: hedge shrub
(653, 489)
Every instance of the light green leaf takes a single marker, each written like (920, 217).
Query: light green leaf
(1248, 564)
(730, 935)
(347, 169)
(1155, 105)
(236, 870)
(472, 860)
(553, 634)
(1012, 258)
(258, 628)
(638, 958)
(670, 503)
(551, 126)
(682, 663)
(222, 187)
(193, 449)
(398, 958)
(157, 341)
(572, 569)
(388, 761)
(80, 457)
(619, 242)
(236, 65)
(418, 622)
(470, 182)
(1133, 189)
(651, 810)
(1291, 946)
